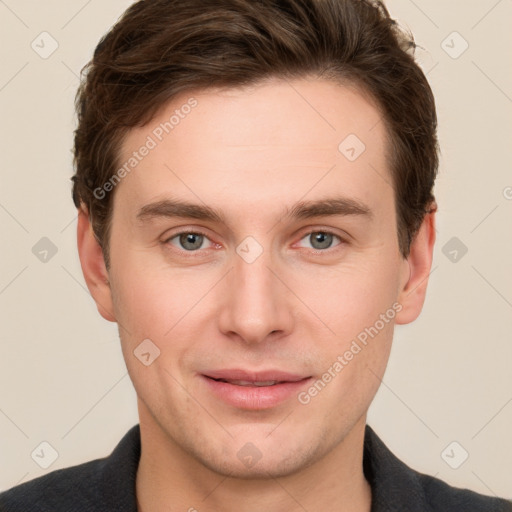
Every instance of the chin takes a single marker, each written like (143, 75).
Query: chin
(259, 459)
(261, 470)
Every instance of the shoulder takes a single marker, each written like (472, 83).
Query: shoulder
(442, 497)
(99, 485)
(397, 487)
(59, 490)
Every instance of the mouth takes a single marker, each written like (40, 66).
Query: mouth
(254, 390)
(256, 384)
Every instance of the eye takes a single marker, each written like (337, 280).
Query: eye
(189, 241)
(193, 241)
(321, 240)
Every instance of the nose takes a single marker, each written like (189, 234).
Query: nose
(255, 305)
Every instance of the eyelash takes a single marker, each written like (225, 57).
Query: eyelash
(192, 254)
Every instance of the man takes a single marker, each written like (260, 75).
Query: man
(254, 184)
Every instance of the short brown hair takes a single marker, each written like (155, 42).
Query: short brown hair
(161, 48)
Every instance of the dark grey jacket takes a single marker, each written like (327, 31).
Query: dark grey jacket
(108, 485)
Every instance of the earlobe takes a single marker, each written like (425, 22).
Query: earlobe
(93, 266)
(413, 292)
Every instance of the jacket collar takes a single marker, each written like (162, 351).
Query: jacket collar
(395, 486)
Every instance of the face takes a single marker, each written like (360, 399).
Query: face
(254, 244)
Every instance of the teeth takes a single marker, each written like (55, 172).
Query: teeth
(249, 383)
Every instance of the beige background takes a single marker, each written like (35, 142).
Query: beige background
(62, 376)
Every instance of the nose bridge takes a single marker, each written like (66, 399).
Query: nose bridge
(255, 304)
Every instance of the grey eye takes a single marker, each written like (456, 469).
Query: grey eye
(321, 240)
(188, 241)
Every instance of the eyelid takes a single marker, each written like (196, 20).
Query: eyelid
(185, 232)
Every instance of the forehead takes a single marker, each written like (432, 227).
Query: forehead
(236, 147)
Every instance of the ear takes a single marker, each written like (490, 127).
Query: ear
(413, 290)
(93, 266)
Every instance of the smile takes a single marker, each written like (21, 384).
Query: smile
(255, 391)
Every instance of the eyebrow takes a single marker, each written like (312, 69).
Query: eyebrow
(169, 208)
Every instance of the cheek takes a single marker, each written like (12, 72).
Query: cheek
(155, 303)
(139, 304)
(350, 297)
(359, 307)
(154, 300)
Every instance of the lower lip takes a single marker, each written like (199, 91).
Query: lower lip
(253, 397)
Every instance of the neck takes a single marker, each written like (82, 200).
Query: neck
(170, 478)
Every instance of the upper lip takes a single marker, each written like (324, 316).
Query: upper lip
(255, 376)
